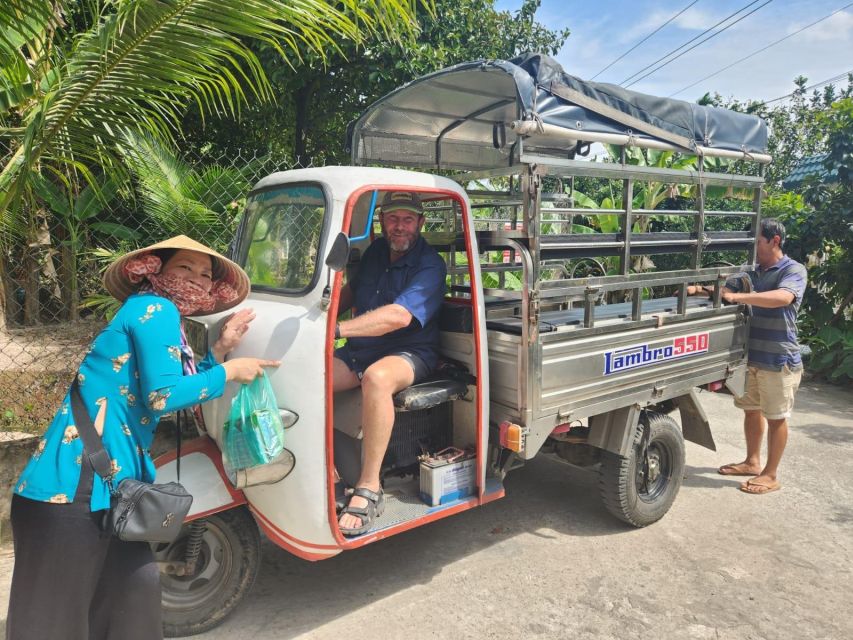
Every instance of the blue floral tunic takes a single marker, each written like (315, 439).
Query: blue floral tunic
(134, 365)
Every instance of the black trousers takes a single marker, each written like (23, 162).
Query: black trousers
(71, 582)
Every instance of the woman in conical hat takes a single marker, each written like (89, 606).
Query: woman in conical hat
(70, 581)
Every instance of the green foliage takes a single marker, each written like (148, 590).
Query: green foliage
(834, 353)
(511, 281)
(820, 228)
(84, 210)
(649, 195)
(796, 130)
(180, 199)
(102, 304)
(77, 77)
(139, 64)
(318, 96)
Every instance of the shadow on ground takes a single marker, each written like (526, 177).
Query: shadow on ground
(708, 478)
(827, 433)
(552, 499)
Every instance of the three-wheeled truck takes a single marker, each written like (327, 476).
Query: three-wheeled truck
(557, 338)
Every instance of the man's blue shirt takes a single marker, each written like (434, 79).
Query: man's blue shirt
(416, 282)
(773, 332)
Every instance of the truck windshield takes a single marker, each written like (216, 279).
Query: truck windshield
(281, 236)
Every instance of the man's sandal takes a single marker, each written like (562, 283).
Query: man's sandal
(342, 496)
(375, 507)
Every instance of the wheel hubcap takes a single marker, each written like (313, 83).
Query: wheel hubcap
(653, 465)
(654, 468)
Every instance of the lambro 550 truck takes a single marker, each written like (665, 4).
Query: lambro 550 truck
(566, 331)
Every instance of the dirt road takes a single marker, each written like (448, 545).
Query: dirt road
(548, 562)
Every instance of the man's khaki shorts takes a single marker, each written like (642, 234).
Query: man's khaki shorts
(771, 392)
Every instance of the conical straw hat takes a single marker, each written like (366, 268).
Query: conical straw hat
(120, 287)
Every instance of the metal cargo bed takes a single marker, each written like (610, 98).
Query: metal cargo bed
(577, 372)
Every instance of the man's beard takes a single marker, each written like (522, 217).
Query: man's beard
(401, 245)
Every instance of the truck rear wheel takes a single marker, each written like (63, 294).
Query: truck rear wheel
(227, 565)
(641, 488)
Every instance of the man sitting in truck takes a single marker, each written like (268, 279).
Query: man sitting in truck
(392, 338)
(774, 366)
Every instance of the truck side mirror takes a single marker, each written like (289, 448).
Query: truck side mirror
(339, 253)
(336, 261)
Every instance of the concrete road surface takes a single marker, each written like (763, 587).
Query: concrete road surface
(548, 561)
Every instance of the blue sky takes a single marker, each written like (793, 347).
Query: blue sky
(603, 30)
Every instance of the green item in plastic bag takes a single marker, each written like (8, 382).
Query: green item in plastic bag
(254, 434)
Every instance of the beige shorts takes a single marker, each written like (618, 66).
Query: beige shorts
(771, 392)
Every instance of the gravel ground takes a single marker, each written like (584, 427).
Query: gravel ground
(547, 561)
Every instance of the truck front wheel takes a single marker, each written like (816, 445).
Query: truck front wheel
(227, 551)
(641, 488)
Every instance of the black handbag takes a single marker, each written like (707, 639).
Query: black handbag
(139, 511)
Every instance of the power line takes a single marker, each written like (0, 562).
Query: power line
(681, 46)
(644, 39)
(665, 56)
(772, 44)
(816, 85)
(713, 35)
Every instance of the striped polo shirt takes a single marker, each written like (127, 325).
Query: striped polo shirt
(773, 332)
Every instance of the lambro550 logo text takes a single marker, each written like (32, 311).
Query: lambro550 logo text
(642, 355)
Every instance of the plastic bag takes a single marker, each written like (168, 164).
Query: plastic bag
(254, 433)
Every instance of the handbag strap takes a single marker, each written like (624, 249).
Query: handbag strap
(178, 435)
(92, 445)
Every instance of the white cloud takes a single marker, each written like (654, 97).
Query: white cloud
(691, 19)
(697, 19)
(838, 28)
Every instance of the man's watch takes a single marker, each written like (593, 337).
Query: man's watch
(337, 330)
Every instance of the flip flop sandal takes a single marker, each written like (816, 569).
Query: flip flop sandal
(375, 507)
(759, 488)
(730, 470)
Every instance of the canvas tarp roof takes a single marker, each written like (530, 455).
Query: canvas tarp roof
(460, 117)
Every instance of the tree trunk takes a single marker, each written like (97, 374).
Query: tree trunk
(67, 274)
(8, 304)
(302, 102)
(31, 268)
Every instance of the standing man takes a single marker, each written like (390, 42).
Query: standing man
(392, 338)
(774, 366)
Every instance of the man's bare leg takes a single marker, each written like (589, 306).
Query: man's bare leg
(343, 378)
(777, 439)
(753, 430)
(380, 382)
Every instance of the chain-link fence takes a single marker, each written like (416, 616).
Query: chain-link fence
(53, 302)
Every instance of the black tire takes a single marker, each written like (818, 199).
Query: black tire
(641, 494)
(228, 564)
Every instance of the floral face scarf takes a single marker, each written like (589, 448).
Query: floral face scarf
(189, 297)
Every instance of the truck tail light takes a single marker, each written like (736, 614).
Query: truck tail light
(512, 436)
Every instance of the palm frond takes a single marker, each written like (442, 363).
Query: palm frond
(25, 21)
(53, 196)
(217, 187)
(145, 60)
(94, 198)
(144, 63)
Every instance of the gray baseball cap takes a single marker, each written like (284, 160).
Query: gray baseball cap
(405, 200)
